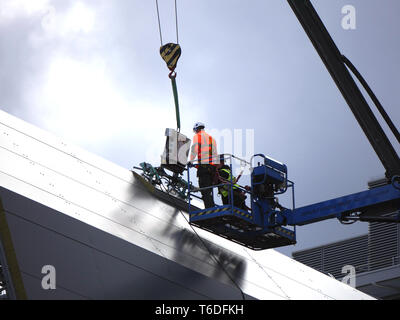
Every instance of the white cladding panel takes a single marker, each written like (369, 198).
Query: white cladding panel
(85, 187)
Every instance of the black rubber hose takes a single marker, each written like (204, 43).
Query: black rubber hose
(373, 97)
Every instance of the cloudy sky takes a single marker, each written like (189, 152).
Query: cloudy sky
(89, 71)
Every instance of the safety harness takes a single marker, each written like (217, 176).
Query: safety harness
(224, 190)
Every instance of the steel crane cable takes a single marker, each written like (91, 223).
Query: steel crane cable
(176, 23)
(170, 53)
(208, 249)
(159, 23)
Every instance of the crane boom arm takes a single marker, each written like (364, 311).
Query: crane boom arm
(333, 61)
(383, 199)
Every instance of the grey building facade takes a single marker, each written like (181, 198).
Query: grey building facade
(375, 257)
(106, 235)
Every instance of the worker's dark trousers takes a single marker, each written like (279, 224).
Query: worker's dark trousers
(238, 199)
(205, 173)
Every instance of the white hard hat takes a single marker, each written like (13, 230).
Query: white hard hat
(198, 125)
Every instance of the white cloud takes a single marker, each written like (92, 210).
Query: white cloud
(79, 101)
(78, 19)
(11, 9)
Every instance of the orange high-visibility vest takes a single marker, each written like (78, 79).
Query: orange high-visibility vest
(205, 148)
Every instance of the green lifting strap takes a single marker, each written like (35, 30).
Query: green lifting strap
(175, 91)
(170, 53)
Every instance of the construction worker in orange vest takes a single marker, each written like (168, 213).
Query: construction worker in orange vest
(204, 148)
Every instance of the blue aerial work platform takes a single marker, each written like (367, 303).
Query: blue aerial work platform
(256, 228)
(269, 225)
(239, 226)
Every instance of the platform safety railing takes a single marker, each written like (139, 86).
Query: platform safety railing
(216, 160)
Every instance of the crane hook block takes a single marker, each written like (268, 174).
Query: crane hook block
(170, 53)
